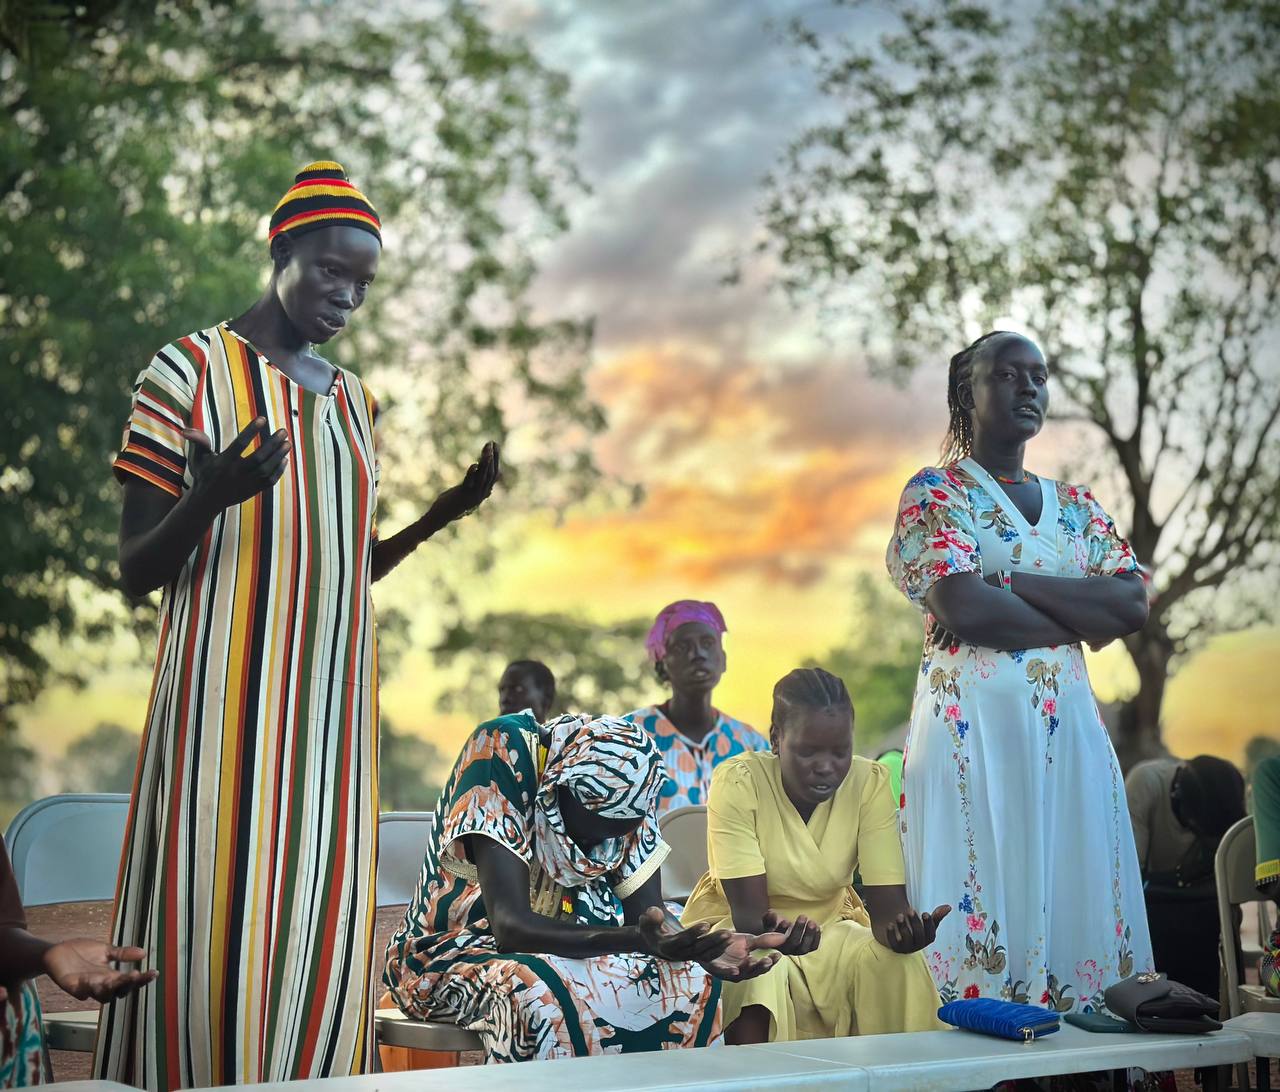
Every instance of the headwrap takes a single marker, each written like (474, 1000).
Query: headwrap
(320, 197)
(612, 768)
(675, 615)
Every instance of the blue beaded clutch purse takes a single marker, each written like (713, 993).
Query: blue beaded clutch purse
(1005, 1019)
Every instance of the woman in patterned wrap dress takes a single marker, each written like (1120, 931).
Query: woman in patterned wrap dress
(1013, 807)
(558, 956)
(248, 866)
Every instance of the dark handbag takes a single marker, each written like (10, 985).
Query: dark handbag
(1099, 1022)
(1006, 1019)
(1154, 1003)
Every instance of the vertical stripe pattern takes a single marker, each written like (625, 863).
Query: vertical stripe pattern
(248, 866)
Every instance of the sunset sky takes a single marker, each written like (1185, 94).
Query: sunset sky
(771, 461)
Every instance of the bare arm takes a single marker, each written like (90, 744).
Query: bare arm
(979, 614)
(504, 879)
(748, 902)
(158, 531)
(454, 503)
(81, 967)
(1099, 608)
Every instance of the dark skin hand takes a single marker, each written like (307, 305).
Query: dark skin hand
(1007, 398)
(81, 967)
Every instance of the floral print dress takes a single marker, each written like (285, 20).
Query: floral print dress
(1013, 808)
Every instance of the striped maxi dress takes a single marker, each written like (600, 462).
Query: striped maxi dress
(248, 866)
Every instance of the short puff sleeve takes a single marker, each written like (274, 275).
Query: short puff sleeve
(934, 536)
(153, 447)
(1109, 553)
(733, 846)
(879, 849)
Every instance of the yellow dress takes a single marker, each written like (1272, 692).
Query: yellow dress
(851, 984)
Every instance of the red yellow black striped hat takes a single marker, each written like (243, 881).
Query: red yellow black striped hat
(321, 196)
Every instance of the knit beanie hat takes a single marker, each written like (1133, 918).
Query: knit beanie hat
(320, 197)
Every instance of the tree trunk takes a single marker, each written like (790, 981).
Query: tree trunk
(1137, 735)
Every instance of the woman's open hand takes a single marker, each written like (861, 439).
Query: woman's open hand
(83, 968)
(230, 477)
(474, 489)
(794, 938)
(912, 931)
(665, 938)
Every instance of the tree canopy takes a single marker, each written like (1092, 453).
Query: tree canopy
(143, 146)
(1105, 175)
(599, 669)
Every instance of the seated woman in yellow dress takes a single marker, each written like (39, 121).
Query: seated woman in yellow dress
(787, 830)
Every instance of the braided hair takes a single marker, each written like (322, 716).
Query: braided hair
(958, 442)
(807, 688)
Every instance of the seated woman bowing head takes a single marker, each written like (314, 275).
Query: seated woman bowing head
(786, 832)
(546, 841)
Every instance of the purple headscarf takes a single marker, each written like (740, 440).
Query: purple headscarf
(675, 615)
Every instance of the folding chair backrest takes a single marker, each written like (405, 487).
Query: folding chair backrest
(402, 843)
(685, 831)
(1233, 869)
(67, 848)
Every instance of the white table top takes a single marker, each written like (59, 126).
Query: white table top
(713, 1067)
(938, 1061)
(942, 1060)
(1263, 1028)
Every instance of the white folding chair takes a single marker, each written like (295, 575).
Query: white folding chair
(685, 831)
(1233, 869)
(402, 842)
(67, 848)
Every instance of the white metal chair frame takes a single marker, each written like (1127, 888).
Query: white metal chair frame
(1233, 871)
(687, 827)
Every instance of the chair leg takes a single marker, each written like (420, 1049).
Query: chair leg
(1242, 1069)
(1264, 1074)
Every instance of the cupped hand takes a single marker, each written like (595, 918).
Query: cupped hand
(474, 489)
(912, 931)
(665, 938)
(738, 961)
(229, 477)
(794, 938)
(82, 967)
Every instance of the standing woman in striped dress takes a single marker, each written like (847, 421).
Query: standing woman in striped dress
(250, 483)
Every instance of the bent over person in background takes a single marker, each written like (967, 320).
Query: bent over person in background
(250, 480)
(537, 920)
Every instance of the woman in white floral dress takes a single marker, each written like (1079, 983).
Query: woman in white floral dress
(1013, 805)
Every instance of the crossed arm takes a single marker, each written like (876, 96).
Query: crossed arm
(1043, 610)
